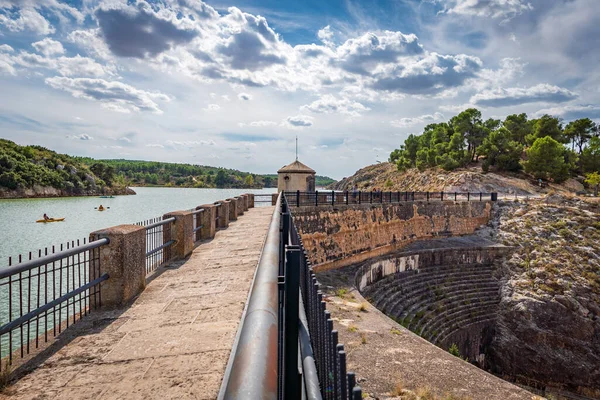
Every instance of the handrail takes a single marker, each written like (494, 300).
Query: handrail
(48, 306)
(159, 223)
(309, 368)
(198, 211)
(38, 262)
(253, 372)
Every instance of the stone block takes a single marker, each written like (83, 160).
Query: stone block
(240, 205)
(245, 202)
(274, 198)
(182, 231)
(124, 260)
(233, 214)
(208, 220)
(222, 214)
(250, 200)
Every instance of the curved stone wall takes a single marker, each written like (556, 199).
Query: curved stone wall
(447, 295)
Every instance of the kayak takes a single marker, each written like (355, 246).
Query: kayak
(50, 220)
(107, 197)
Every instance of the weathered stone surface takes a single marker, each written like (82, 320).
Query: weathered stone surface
(172, 342)
(124, 260)
(344, 235)
(182, 233)
(233, 209)
(208, 219)
(222, 212)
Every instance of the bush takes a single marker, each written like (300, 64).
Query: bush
(454, 350)
(546, 160)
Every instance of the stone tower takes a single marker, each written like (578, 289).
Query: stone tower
(296, 176)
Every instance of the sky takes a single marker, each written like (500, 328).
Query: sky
(231, 83)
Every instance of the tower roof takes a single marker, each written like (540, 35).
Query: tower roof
(297, 166)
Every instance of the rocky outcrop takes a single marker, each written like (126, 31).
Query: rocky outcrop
(49, 191)
(548, 325)
(386, 177)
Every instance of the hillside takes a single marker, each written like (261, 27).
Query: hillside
(34, 171)
(386, 177)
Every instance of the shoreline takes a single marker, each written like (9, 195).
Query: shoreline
(47, 192)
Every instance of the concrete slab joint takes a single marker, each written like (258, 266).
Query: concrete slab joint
(208, 221)
(182, 232)
(124, 260)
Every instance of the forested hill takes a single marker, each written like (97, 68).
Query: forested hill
(34, 171)
(153, 173)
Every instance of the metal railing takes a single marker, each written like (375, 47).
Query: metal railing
(333, 198)
(263, 199)
(196, 230)
(158, 241)
(287, 347)
(40, 297)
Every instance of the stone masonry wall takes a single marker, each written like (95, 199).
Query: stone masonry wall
(337, 236)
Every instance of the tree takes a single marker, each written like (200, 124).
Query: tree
(590, 157)
(547, 126)
(519, 127)
(593, 180)
(469, 124)
(501, 151)
(249, 181)
(546, 160)
(579, 132)
(221, 179)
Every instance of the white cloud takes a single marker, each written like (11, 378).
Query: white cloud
(298, 121)
(6, 48)
(423, 119)
(157, 145)
(514, 96)
(329, 104)
(83, 136)
(48, 47)
(487, 8)
(325, 35)
(27, 20)
(116, 96)
(244, 96)
(212, 107)
(572, 112)
(255, 124)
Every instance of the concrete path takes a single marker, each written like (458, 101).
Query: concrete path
(173, 342)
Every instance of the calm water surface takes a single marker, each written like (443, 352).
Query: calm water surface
(21, 234)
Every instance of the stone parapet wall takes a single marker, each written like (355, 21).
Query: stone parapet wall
(337, 236)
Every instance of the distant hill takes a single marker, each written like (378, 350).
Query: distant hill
(153, 173)
(34, 171)
(320, 181)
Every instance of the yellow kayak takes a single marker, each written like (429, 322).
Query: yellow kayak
(50, 220)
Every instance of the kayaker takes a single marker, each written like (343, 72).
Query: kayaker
(101, 207)
(46, 217)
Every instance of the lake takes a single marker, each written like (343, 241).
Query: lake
(21, 234)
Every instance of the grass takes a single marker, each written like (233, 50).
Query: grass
(341, 292)
(352, 328)
(395, 331)
(5, 375)
(363, 338)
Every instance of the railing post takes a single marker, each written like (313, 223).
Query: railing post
(347, 196)
(317, 198)
(455, 194)
(208, 221)
(233, 214)
(291, 388)
(428, 197)
(480, 196)
(468, 196)
(297, 198)
(371, 198)
(182, 233)
(359, 196)
(333, 197)
(442, 196)
(124, 260)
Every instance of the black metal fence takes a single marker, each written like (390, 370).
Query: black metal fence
(158, 241)
(42, 294)
(287, 349)
(197, 224)
(299, 199)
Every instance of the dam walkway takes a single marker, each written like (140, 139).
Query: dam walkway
(172, 342)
